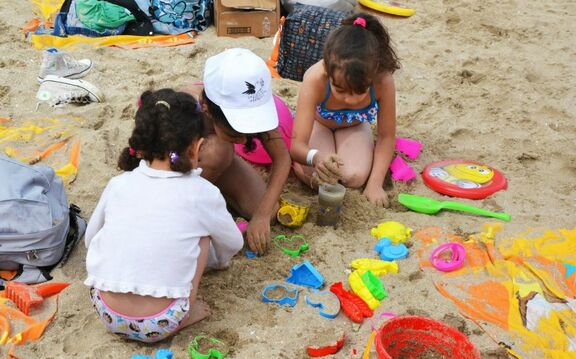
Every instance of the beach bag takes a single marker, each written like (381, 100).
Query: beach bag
(38, 229)
(183, 14)
(302, 38)
(67, 23)
(100, 15)
(340, 5)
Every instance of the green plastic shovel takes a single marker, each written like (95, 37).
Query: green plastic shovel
(432, 206)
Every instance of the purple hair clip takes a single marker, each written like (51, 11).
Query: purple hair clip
(174, 157)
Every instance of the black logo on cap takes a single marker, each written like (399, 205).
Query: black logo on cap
(251, 88)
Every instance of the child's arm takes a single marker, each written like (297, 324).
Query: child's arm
(258, 231)
(311, 93)
(96, 221)
(385, 142)
(226, 237)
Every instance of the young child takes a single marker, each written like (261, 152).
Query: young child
(158, 225)
(237, 96)
(340, 97)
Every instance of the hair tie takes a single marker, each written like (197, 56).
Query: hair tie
(360, 21)
(174, 157)
(132, 151)
(162, 102)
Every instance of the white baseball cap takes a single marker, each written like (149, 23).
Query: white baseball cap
(239, 82)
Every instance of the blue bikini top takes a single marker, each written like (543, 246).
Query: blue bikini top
(366, 114)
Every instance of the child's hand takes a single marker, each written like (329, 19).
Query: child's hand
(257, 234)
(377, 196)
(328, 168)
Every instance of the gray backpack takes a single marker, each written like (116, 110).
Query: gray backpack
(37, 228)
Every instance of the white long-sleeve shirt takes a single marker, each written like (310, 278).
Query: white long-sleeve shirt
(143, 235)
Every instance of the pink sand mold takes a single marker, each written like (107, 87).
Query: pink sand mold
(401, 171)
(411, 148)
(456, 260)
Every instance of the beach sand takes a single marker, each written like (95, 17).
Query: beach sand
(492, 82)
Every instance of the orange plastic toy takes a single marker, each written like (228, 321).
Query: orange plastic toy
(26, 296)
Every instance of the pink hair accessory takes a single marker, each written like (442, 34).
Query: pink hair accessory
(456, 260)
(132, 151)
(401, 171)
(360, 21)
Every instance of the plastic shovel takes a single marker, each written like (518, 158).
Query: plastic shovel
(432, 206)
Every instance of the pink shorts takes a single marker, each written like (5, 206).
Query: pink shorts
(145, 329)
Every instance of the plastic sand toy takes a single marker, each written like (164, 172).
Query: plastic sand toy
(281, 294)
(358, 287)
(431, 206)
(374, 285)
(445, 262)
(293, 210)
(207, 348)
(292, 246)
(401, 171)
(327, 301)
(26, 296)
(352, 305)
(422, 337)
(390, 252)
(411, 148)
(160, 354)
(376, 266)
(320, 351)
(389, 7)
(461, 178)
(395, 231)
(305, 274)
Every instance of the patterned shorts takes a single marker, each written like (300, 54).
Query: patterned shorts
(145, 329)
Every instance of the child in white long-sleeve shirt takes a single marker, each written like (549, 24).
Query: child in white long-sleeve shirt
(158, 225)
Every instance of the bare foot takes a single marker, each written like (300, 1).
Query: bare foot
(200, 310)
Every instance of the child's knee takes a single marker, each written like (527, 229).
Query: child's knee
(354, 179)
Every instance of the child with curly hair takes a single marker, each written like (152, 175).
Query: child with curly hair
(158, 225)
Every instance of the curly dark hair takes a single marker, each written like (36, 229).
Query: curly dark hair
(161, 129)
(360, 53)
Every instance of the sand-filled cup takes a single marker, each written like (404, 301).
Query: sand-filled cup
(330, 199)
(293, 210)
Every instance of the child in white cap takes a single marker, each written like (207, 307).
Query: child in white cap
(237, 96)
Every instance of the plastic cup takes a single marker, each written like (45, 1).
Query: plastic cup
(330, 199)
(293, 210)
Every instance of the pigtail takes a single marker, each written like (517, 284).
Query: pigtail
(128, 160)
(166, 124)
(388, 59)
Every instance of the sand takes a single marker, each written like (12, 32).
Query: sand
(492, 82)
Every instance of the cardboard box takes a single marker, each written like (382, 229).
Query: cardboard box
(236, 18)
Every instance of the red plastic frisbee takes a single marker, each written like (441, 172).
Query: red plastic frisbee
(465, 179)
